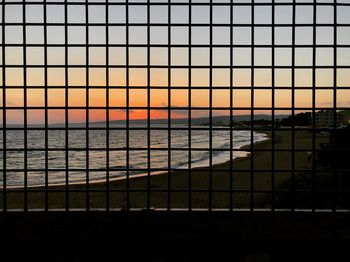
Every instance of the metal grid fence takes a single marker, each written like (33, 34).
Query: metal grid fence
(72, 68)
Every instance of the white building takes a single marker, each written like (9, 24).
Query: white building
(325, 118)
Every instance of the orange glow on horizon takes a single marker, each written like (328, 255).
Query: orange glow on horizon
(138, 97)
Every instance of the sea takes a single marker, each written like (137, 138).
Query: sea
(95, 159)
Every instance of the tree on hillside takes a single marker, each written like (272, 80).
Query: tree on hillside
(301, 119)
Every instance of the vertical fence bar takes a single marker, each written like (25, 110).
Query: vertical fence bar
(107, 105)
(66, 74)
(252, 83)
(211, 108)
(314, 105)
(169, 107)
(25, 95)
(4, 104)
(273, 125)
(190, 106)
(127, 108)
(293, 107)
(231, 106)
(148, 107)
(87, 113)
(46, 110)
(335, 116)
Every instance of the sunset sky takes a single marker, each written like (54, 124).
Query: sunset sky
(18, 69)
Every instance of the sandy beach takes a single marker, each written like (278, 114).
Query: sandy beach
(240, 179)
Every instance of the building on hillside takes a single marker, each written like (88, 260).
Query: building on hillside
(325, 118)
(346, 117)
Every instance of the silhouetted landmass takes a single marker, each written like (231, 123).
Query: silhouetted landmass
(239, 121)
(216, 120)
(261, 123)
(301, 119)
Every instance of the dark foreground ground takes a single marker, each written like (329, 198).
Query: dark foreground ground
(176, 236)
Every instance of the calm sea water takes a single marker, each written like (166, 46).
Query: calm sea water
(77, 156)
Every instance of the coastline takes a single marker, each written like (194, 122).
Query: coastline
(144, 174)
(177, 188)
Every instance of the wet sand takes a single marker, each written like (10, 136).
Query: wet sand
(220, 178)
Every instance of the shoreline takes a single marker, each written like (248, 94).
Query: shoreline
(223, 186)
(144, 174)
